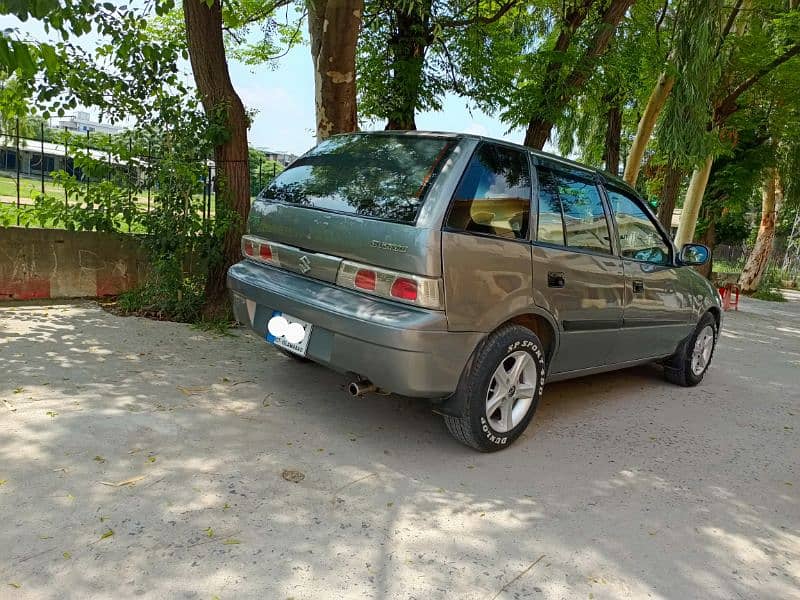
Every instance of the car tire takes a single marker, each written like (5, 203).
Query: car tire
(499, 390)
(689, 364)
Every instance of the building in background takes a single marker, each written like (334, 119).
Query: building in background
(283, 158)
(81, 122)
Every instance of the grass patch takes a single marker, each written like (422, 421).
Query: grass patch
(770, 295)
(218, 326)
(724, 266)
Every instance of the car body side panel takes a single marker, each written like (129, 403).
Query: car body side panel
(588, 309)
(659, 316)
(699, 293)
(486, 279)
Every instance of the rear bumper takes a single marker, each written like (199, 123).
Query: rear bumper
(402, 349)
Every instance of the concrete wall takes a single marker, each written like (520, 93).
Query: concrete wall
(52, 263)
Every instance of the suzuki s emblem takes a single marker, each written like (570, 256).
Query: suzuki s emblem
(305, 264)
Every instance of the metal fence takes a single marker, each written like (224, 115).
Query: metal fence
(784, 260)
(28, 165)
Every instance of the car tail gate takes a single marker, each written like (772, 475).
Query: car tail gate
(350, 206)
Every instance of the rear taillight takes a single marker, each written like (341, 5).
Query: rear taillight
(259, 250)
(412, 289)
(405, 289)
(365, 280)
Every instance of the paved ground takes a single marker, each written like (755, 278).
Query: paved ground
(624, 486)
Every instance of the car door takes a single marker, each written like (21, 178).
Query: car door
(657, 314)
(486, 253)
(576, 274)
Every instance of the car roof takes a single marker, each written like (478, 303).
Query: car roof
(615, 180)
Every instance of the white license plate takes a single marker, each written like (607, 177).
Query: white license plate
(288, 332)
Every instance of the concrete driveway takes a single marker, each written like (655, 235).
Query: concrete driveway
(145, 459)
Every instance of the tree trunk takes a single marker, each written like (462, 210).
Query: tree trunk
(669, 196)
(655, 103)
(407, 46)
(771, 199)
(223, 106)
(691, 206)
(557, 92)
(613, 135)
(333, 27)
(709, 239)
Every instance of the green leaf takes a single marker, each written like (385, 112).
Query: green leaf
(7, 58)
(50, 57)
(107, 534)
(24, 59)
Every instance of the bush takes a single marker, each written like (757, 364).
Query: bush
(769, 286)
(769, 295)
(181, 242)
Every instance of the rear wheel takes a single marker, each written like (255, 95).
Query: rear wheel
(499, 390)
(689, 364)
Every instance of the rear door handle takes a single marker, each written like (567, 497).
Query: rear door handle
(556, 280)
(638, 286)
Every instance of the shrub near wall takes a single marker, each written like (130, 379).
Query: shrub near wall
(53, 263)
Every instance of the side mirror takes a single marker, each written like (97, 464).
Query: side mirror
(694, 254)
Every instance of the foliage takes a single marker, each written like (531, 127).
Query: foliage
(683, 136)
(256, 32)
(769, 287)
(628, 71)
(734, 188)
(181, 243)
(128, 74)
(262, 170)
(412, 52)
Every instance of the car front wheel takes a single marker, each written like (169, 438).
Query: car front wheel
(689, 364)
(499, 390)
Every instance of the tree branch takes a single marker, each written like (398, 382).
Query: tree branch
(599, 42)
(265, 12)
(727, 106)
(728, 25)
(479, 20)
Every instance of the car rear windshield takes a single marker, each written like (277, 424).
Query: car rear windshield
(379, 176)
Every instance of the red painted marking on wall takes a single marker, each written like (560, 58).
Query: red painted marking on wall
(30, 289)
(111, 285)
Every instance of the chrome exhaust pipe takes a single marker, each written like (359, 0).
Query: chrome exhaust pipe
(361, 387)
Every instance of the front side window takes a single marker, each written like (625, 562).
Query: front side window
(494, 194)
(380, 176)
(639, 239)
(572, 202)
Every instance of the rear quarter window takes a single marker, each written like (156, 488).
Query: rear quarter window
(380, 176)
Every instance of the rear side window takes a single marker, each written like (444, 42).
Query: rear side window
(550, 221)
(494, 195)
(639, 239)
(380, 176)
(576, 200)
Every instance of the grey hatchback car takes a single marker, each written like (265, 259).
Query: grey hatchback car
(468, 271)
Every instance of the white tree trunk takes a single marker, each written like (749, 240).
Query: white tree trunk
(691, 206)
(771, 200)
(655, 103)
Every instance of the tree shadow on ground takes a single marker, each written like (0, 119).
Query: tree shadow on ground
(626, 486)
